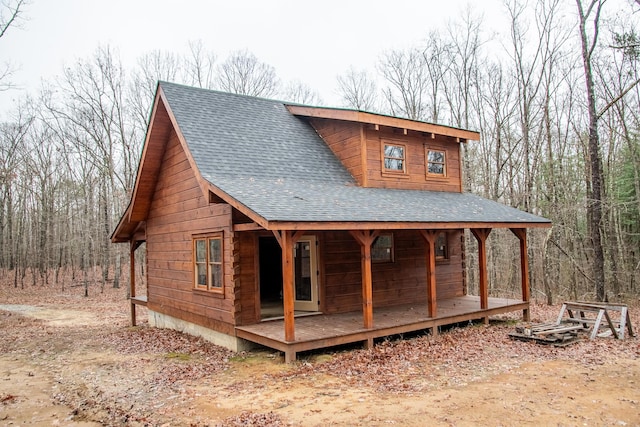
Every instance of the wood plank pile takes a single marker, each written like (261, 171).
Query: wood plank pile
(596, 319)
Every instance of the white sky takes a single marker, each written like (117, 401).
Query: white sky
(312, 41)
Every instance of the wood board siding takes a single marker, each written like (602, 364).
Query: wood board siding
(179, 211)
(246, 259)
(415, 177)
(400, 282)
(344, 139)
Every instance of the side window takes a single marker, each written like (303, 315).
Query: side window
(436, 163)
(208, 263)
(442, 250)
(382, 248)
(394, 158)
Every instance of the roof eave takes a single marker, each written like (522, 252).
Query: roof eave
(381, 120)
(382, 225)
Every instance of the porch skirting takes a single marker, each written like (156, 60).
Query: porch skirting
(322, 331)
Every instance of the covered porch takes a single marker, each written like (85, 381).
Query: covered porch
(323, 331)
(292, 334)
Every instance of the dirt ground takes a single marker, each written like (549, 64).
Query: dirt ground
(66, 360)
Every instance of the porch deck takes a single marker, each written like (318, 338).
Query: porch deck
(322, 331)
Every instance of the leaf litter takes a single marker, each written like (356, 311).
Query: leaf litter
(115, 374)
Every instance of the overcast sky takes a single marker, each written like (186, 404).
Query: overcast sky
(309, 41)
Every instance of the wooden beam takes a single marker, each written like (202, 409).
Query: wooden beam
(481, 235)
(366, 239)
(430, 237)
(250, 226)
(363, 156)
(132, 280)
(521, 234)
(287, 239)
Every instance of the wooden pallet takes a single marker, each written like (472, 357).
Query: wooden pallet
(548, 333)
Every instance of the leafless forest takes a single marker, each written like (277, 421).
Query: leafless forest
(554, 94)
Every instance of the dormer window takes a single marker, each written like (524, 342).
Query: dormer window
(394, 158)
(436, 163)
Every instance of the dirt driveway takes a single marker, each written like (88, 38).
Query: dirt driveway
(70, 361)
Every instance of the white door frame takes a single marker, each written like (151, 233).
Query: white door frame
(313, 303)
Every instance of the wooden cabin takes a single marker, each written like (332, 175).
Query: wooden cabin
(299, 227)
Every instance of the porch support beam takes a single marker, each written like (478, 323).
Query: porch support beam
(521, 234)
(132, 279)
(430, 237)
(287, 239)
(481, 235)
(366, 239)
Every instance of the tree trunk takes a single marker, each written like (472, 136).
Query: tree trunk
(594, 203)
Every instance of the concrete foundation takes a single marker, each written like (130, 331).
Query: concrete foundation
(159, 320)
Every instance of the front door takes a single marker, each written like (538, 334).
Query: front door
(306, 274)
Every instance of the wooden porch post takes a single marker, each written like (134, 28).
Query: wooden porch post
(366, 239)
(481, 235)
(132, 279)
(430, 237)
(287, 239)
(521, 234)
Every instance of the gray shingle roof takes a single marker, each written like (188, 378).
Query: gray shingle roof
(275, 164)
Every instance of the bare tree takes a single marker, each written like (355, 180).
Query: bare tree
(13, 138)
(463, 58)
(531, 68)
(11, 13)
(407, 92)
(437, 62)
(589, 40)
(244, 74)
(199, 67)
(93, 107)
(299, 92)
(153, 66)
(358, 90)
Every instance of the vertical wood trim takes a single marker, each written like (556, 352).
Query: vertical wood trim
(366, 239)
(481, 235)
(132, 280)
(287, 240)
(430, 237)
(460, 165)
(521, 234)
(367, 287)
(256, 276)
(363, 156)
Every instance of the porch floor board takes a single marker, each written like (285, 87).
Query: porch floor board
(327, 330)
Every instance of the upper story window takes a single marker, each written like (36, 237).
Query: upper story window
(382, 248)
(208, 262)
(394, 157)
(436, 163)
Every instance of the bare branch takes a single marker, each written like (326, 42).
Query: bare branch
(618, 98)
(10, 14)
